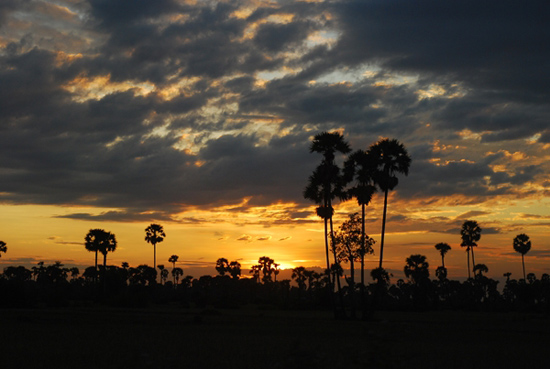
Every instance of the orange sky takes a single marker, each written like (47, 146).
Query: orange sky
(199, 115)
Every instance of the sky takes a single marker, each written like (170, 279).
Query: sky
(198, 115)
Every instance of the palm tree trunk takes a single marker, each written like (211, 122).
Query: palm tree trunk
(363, 245)
(443, 260)
(383, 228)
(473, 259)
(523, 263)
(363, 260)
(103, 277)
(326, 244)
(352, 287)
(337, 277)
(468, 254)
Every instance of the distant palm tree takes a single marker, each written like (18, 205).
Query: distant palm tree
(470, 233)
(391, 158)
(153, 235)
(91, 242)
(234, 269)
(3, 248)
(480, 269)
(107, 243)
(222, 266)
(522, 244)
(173, 259)
(177, 273)
(443, 248)
(417, 268)
(507, 275)
(163, 273)
(326, 183)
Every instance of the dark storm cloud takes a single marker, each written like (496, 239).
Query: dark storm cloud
(116, 12)
(120, 148)
(494, 44)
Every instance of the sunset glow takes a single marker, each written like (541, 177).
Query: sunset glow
(199, 116)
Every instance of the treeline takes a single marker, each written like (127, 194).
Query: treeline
(54, 285)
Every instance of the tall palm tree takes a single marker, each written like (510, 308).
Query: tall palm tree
(391, 158)
(522, 244)
(361, 167)
(443, 248)
(326, 183)
(3, 248)
(470, 234)
(153, 235)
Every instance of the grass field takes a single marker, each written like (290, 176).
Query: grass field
(255, 338)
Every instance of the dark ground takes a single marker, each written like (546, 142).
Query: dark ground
(261, 338)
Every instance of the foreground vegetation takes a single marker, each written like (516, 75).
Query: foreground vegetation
(56, 286)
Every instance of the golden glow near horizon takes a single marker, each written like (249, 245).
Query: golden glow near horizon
(37, 233)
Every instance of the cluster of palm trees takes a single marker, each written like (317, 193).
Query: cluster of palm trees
(101, 241)
(362, 174)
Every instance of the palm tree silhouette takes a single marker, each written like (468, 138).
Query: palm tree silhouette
(443, 248)
(480, 269)
(3, 248)
(173, 259)
(417, 268)
(234, 269)
(361, 166)
(507, 275)
(177, 273)
(391, 158)
(153, 235)
(93, 240)
(222, 266)
(163, 273)
(326, 183)
(107, 243)
(470, 233)
(522, 244)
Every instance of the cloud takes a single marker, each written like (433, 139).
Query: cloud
(153, 110)
(264, 238)
(244, 237)
(472, 214)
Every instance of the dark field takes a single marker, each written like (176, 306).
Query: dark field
(254, 338)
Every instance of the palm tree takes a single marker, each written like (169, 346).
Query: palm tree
(234, 269)
(326, 183)
(107, 243)
(443, 248)
(173, 259)
(361, 166)
(3, 248)
(470, 233)
(153, 235)
(417, 268)
(222, 266)
(391, 158)
(522, 244)
(480, 269)
(91, 242)
(177, 273)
